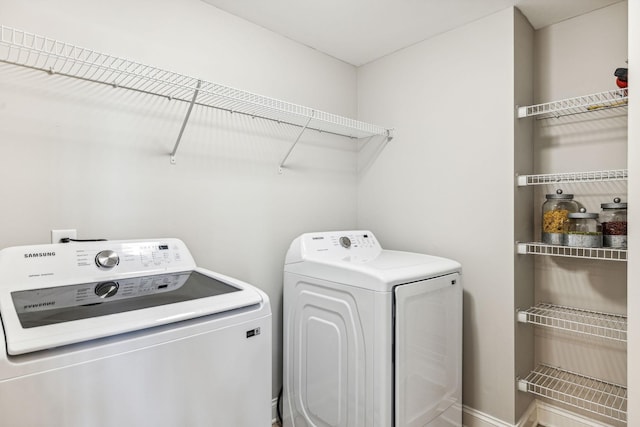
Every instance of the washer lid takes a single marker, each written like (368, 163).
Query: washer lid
(364, 264)
(38, 319)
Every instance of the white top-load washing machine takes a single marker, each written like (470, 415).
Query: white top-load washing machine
(129, 333)
(372, 337)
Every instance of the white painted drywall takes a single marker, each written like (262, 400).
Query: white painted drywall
(445, 184)
(633, 269)
(523, 211)
(95, 158)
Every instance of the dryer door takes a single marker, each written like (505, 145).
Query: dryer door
(428, 352)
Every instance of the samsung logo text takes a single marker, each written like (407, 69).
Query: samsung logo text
(39, 254)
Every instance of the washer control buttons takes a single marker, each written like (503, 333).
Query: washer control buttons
(107, 259)
(106, 289)
(345, 242)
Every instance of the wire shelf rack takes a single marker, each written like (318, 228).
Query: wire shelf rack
(536, 248)
(570, 177)
(34, 51)
(580, 391)
(581, 104)
(586, 322)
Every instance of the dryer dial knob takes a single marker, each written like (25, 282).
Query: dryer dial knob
(345, 242)
(107, 259)
(106, 289)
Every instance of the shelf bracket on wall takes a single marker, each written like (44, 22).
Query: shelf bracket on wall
(184, 123)
(284, 159)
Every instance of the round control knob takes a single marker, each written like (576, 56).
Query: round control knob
(107, 259)
(106, 289)
(345, 242)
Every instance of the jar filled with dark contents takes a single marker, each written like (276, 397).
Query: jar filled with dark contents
(583, 230)
(614, 224)
(555, 211)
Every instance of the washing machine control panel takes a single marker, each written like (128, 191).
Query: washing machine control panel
(341, 244)
(100, 260)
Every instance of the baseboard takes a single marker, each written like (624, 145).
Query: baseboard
(553, 416)
(274, 410)
(474, 418)
(538, 413)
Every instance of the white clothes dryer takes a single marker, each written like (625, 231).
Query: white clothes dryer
(372, 337)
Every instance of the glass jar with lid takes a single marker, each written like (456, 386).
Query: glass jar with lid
(583, 230)
(614, 224)
(555, 211)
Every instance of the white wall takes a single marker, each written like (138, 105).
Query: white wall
(94, 158)
(445, 184)
(633, 290)
(523, 211)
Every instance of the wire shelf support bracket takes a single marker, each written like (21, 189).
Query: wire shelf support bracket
(184, 123)
(286, 156)
(18, 47)
(388, 136)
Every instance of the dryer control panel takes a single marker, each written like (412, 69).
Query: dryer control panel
(357, 246)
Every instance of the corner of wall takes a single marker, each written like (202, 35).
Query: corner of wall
(523, 202)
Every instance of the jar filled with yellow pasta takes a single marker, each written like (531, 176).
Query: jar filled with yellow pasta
(555, 212)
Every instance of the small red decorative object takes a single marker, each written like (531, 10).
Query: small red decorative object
(621, 77)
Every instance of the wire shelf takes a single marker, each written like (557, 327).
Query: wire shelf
(586, 322)
(581, 104)
(580, 391)
(570, 177)
(572, 252)
(38, 52)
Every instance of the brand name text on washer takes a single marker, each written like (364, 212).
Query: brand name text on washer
(39, 254)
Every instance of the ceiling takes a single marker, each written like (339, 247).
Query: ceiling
(360, 31)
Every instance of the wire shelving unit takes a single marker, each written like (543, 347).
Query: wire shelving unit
(536, 248)
(580, 391)
(586, 322)
(577, 390)
(34, 51)
(578, 105)
(573, 177)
